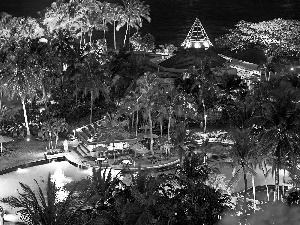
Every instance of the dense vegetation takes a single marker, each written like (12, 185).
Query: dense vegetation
(62, 76)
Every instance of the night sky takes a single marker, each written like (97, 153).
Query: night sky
(172, 19)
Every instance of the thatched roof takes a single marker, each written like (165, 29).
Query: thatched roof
(193, 57)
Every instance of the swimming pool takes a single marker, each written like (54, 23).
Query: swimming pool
(63, 172)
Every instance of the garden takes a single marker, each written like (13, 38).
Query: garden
(109, 109)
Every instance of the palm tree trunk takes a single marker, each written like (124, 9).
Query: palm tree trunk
(50, 143)
(267, 188)
(56, 140)
(91, 115)
(245, 193)
(253, 188)
(180, 152)
(132, 122)
(283, 181)
(103, 29)
(125, 35)
(276, 185)
(137, 120)
(169, 125)
(114, 151)
(205, 116)
(265, 172)
(80, 43)
(277, 192)
(161, 127)
(129, 36)
(0, 99)
(115, 44)
(150, 129)
(25, 116)
(76, 96)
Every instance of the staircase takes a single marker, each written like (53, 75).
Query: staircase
(82, 150)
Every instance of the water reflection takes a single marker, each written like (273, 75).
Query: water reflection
(61, 173)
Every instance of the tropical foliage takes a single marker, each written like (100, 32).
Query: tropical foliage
(276, 37)
(56, 65)
(44, 208)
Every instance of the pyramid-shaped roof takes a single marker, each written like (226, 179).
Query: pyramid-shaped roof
(197, 37)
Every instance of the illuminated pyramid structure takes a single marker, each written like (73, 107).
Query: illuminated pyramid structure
(197, 37)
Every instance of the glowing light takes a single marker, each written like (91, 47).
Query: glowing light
(11, 218)
(59, 178)
(41, 109)
(206, 44)
(89, 171)
(292, 68)
(43, 40)
(197, 45)
(20, 170)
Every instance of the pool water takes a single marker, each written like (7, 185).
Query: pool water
(259, 180)
(63, 172)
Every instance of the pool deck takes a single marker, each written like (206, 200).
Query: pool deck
(38, 158)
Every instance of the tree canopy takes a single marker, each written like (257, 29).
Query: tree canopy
(276, 37)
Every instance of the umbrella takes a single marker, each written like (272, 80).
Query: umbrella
(145, 127)
(101, 148)
(139, 148)
(153, 136)
(4, 139)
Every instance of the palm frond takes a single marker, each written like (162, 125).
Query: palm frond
(236, 178)
(222, 165)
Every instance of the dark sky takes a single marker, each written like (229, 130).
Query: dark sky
(172, 19)
(23, 7)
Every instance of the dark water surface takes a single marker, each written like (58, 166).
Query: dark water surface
(172, 19)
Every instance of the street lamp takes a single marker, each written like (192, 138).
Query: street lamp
(28, 137)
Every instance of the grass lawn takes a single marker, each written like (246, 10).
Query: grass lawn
(23, 152)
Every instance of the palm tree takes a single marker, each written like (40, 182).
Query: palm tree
(280, 121)
(148, 86)
(111, 127)
(194, 197)
(243, 153)
(20, 68)
(54, 126)
(98, 193)
(142, 191)
(145, 200)
(182, 139)
(93, 75)
(81, 18)
(204, 84)
(127, 107)
(133, 13)
(266, 172)
(45, 208)
(161, 116)
(116, 12)
(105, 11)
(57, 17)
